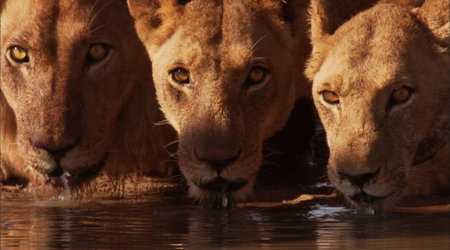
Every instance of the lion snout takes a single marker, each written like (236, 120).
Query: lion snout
(57, 148)
(215, 145)
(358, 180)
(216, 158)
(53, 137)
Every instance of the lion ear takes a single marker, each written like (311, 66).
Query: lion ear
(295, 13)
(324, 19)
(326, 16)
(2, 5)
(155, 20)
(434, 15)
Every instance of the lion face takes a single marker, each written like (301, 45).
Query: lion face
(382, 93)
(224, 80)
(66, 73)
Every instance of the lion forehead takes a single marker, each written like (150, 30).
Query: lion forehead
(49, 21)
(372, 52)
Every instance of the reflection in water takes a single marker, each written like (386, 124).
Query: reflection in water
(403, 231)
(61, 224)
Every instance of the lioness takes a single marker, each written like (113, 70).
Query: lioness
(381, 87)
(227, 77)
(76, 91)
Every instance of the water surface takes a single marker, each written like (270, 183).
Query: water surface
(147, 224)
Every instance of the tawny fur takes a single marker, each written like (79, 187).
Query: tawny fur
(219, 42)
(103, 111)
(406, 145)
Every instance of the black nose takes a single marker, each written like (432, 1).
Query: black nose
(358, 180)
(217, 159)
(60, 152)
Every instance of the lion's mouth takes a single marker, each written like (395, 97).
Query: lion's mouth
(221, 185)
(366, 198)
(79, 174)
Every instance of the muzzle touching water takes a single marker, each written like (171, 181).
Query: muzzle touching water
(221, 185)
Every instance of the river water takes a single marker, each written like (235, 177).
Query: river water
(158, 223)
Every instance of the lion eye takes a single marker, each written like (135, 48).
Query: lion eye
(180, 76)
(19, 54)
(330, 97)
(257, 75)
(401, 95)
(98, 52)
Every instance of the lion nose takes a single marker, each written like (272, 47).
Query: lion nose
(57, 154)
(57, 150)
(358, 180)
(60, 152)
(217, 159)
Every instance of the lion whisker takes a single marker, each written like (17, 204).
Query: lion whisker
(92, 19)
(258, 41)
(93, 7)
(270, 163)
(162, 122)
(91, 31)
(171, 143)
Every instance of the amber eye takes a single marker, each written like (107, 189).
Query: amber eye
(180, 76)
(257, 75)
(19, 54)
(330, 97)
(401, 95)
(98, 52)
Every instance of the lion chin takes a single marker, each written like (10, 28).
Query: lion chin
(366, 203)
(77, 165)
(374, 196)
(220, 193)
(219, 185)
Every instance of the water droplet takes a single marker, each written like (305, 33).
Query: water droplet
(33, 190)
(66, 192)
(365, 210)
(224, 201)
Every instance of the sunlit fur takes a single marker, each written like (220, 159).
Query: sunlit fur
(104, 111)
(364, 61)
(219, 42)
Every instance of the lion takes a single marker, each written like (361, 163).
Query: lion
(76, 93)
(381, 88)
(227, 75)
(226, 78)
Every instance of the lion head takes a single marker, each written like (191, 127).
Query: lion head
(226, 78)
(381, 87)
(76, 89)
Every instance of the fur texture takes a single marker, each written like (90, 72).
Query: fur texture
(382, 149)
(220, 116)
(62, 111)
